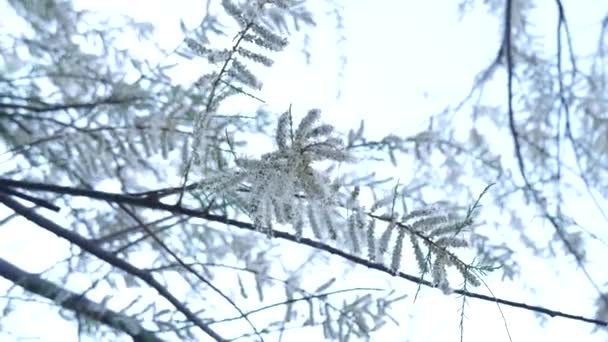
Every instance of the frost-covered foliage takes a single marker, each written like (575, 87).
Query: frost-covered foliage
(81, 112)
(279, 182)
(77, 110)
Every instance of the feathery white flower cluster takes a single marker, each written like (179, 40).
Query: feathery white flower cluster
(281, 182)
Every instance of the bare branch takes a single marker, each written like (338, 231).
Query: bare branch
(76, 302)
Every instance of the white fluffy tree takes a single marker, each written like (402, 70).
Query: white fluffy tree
(201, 217)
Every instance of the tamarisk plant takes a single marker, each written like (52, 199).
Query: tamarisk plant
(284, 187)
(292, 191)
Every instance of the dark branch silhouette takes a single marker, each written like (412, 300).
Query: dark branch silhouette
(76, 302)
(86, 245)
(156, 205)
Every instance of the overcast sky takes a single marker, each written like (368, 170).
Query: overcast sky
(406, 60)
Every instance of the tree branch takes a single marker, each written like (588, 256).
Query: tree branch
(520, 159)
(87, 245)
(152, 204)
(75, 302)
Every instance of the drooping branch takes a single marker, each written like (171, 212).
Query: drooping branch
(518, 148)
(90, 247)
(157, 205)
(510, 73)
(75, 302)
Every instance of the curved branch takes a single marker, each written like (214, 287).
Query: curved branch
(76, 302)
